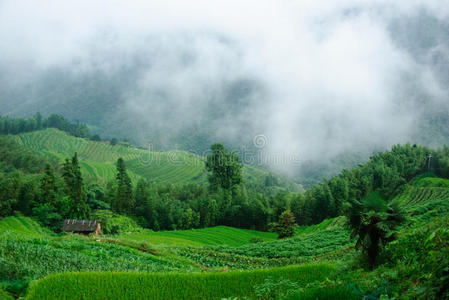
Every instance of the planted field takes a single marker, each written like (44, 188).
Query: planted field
(21, 225)
(29, 258)
(220, 235)
(139, 286)
(425, 197)
(27, 252)
(328, 238)
(312, 244)
(98, 159)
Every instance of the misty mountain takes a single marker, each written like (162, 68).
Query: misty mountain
(192, 83)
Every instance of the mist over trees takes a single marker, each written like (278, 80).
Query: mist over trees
(60, 191)
(173, 87)
(10, 125)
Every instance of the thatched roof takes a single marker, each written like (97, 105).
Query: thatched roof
(80, 225)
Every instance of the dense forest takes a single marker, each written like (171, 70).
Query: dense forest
(37, 122)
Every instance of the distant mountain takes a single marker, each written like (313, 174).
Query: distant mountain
(129, 101)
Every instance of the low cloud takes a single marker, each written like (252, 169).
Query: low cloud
(317, 78)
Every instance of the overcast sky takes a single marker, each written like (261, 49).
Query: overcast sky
(326, 76)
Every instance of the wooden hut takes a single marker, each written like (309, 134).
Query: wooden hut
(82, 226)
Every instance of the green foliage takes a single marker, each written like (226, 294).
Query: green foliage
(98, 159)
(374, 222)
(95, 138)
(312, 244)
(24, 258)
(112, 223)
(421, 256)
(273, 289)
(325, 242)
(220, 235)
(4, 295)
(47, 215)
(13, 156)
(22, 225)
(334, 292)
(124, 201)
(385, 173)
(74, 188)
(414, 264)
(255, 240)
(286, 225)
(17, 125)
(225, 168)
(168, 286)
(48, 186)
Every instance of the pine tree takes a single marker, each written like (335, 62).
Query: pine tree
(48, 186)
(286, 225)
(124, 201)
(141, 196)
(74, 188)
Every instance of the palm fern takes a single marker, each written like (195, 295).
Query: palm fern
(373, 221)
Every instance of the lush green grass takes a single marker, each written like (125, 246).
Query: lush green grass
(28, 252)
(220, 235)
(429, 179)
(317, 242)
(326, 224)
(98, 159)
(4, 295)
(168, 286)
(22, 225)
(340, 292)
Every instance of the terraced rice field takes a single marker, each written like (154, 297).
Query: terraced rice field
(98, 159)
(220, 235)
(22, 225)
(139, 286)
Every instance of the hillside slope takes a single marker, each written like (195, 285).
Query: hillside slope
(25, 250)
(219, 235)
(98, 159)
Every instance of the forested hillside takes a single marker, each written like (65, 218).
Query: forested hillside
(73, 177)
(172, 211)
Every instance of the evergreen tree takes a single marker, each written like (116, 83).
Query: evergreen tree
(225, 168)
(124, 201)
(74, 188)
(48, 189)
(27, 197)
(286, 225)
(141, 197)
(38, 118)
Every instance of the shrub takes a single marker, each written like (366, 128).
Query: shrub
(272, 289)
(112, 223)
(4, 295)
(338, 292)
(373, 222)
(255, 240)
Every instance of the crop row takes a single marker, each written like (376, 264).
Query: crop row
(109, 285)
